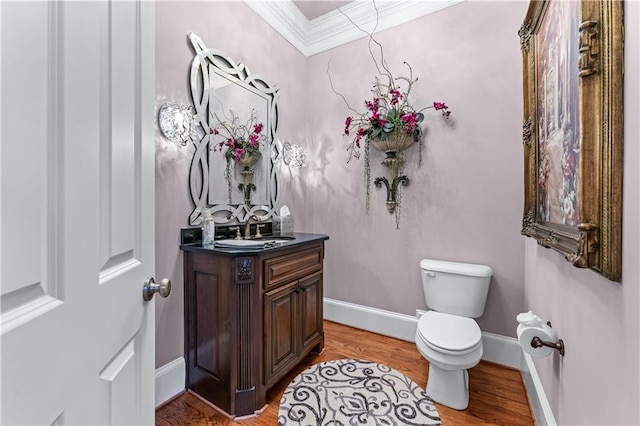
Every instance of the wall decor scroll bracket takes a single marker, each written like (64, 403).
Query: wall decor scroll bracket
(246, 191)
(393, 162)
(589, 49)
(392, 189)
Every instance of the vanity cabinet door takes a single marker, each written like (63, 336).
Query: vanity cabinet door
(281, 331)
(292, 325)
(310, 295)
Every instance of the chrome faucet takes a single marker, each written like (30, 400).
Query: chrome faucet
(247, 226)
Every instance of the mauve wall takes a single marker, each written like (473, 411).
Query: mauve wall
(243, 36)
(597, 381)
(464, 203)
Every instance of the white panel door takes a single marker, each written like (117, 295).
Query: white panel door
(76, 212)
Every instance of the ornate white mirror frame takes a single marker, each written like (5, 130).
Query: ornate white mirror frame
(209, 67)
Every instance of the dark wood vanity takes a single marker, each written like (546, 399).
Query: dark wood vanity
(250, 316)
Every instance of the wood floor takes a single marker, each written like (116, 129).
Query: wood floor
(497, 395)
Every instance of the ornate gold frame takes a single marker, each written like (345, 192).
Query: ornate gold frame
(596, 240)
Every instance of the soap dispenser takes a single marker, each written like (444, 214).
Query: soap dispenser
(208, 228)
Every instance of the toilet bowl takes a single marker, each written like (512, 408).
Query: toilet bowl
(447, 335)
(451, 344)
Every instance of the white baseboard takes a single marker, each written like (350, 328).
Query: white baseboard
(537, 397)
(501, 350)
(498, 349)
(170, 380)
(376, 320)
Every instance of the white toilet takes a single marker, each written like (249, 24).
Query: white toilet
(447, 336)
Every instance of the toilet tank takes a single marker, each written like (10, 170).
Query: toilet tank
(455, 288)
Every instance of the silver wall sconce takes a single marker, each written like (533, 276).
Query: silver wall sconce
(294, 155)
(177, 122)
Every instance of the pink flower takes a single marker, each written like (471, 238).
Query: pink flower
(410, 120)
(359, 135)
(238, 153)
(237, 138)
(347, 124)
(253, 139)
(441, 106)
(395, 96)
(373, 106)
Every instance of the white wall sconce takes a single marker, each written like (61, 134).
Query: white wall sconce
(294, 155)
(177, 122)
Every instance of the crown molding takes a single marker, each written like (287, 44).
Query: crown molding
(333, 29)
(285, 18)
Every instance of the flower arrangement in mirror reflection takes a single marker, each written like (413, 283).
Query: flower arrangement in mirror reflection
(242, 142)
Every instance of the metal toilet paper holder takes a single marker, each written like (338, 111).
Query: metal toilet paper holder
(537, 342)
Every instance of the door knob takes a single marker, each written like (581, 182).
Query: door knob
(150, 288)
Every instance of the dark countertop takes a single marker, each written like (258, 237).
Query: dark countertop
(281, 244)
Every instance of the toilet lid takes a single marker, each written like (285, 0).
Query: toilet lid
(449, 332)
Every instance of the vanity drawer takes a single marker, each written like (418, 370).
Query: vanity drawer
(292, 266)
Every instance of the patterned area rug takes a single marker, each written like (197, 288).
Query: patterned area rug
(354, 392)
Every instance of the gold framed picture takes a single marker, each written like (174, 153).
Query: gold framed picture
(573, 130)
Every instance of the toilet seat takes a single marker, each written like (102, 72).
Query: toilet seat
(450, 334)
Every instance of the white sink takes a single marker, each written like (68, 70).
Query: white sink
(230, 243)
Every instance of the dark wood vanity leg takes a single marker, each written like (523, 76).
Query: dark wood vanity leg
(319, 348)
(248, 327)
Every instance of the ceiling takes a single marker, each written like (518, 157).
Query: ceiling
(314, 26)
(313, 9)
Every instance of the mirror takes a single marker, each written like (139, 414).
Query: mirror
(220, 89)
